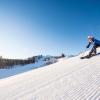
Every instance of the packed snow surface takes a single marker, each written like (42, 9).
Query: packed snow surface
(68, 79)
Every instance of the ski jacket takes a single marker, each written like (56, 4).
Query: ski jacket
(94, 43)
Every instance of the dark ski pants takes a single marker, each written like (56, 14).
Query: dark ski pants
(93, 50)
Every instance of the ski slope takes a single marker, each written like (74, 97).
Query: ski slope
(68, 79)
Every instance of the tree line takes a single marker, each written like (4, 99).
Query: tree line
(9, 63)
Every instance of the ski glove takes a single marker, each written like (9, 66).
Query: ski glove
(88, 45)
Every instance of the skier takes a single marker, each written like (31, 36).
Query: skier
(95, 43)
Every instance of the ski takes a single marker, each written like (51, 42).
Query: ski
(87, 56)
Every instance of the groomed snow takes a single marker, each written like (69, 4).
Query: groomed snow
(68, 79)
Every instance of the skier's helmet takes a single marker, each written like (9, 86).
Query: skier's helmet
(90, 37)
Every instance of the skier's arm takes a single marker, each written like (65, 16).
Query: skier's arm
(88, 45)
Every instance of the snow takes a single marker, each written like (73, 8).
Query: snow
(68, 79)
(41, 62)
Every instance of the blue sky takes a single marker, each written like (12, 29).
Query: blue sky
(48, 27)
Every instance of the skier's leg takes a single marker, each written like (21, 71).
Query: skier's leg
(93, 50)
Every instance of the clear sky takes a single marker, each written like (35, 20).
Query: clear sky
(48, 27)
